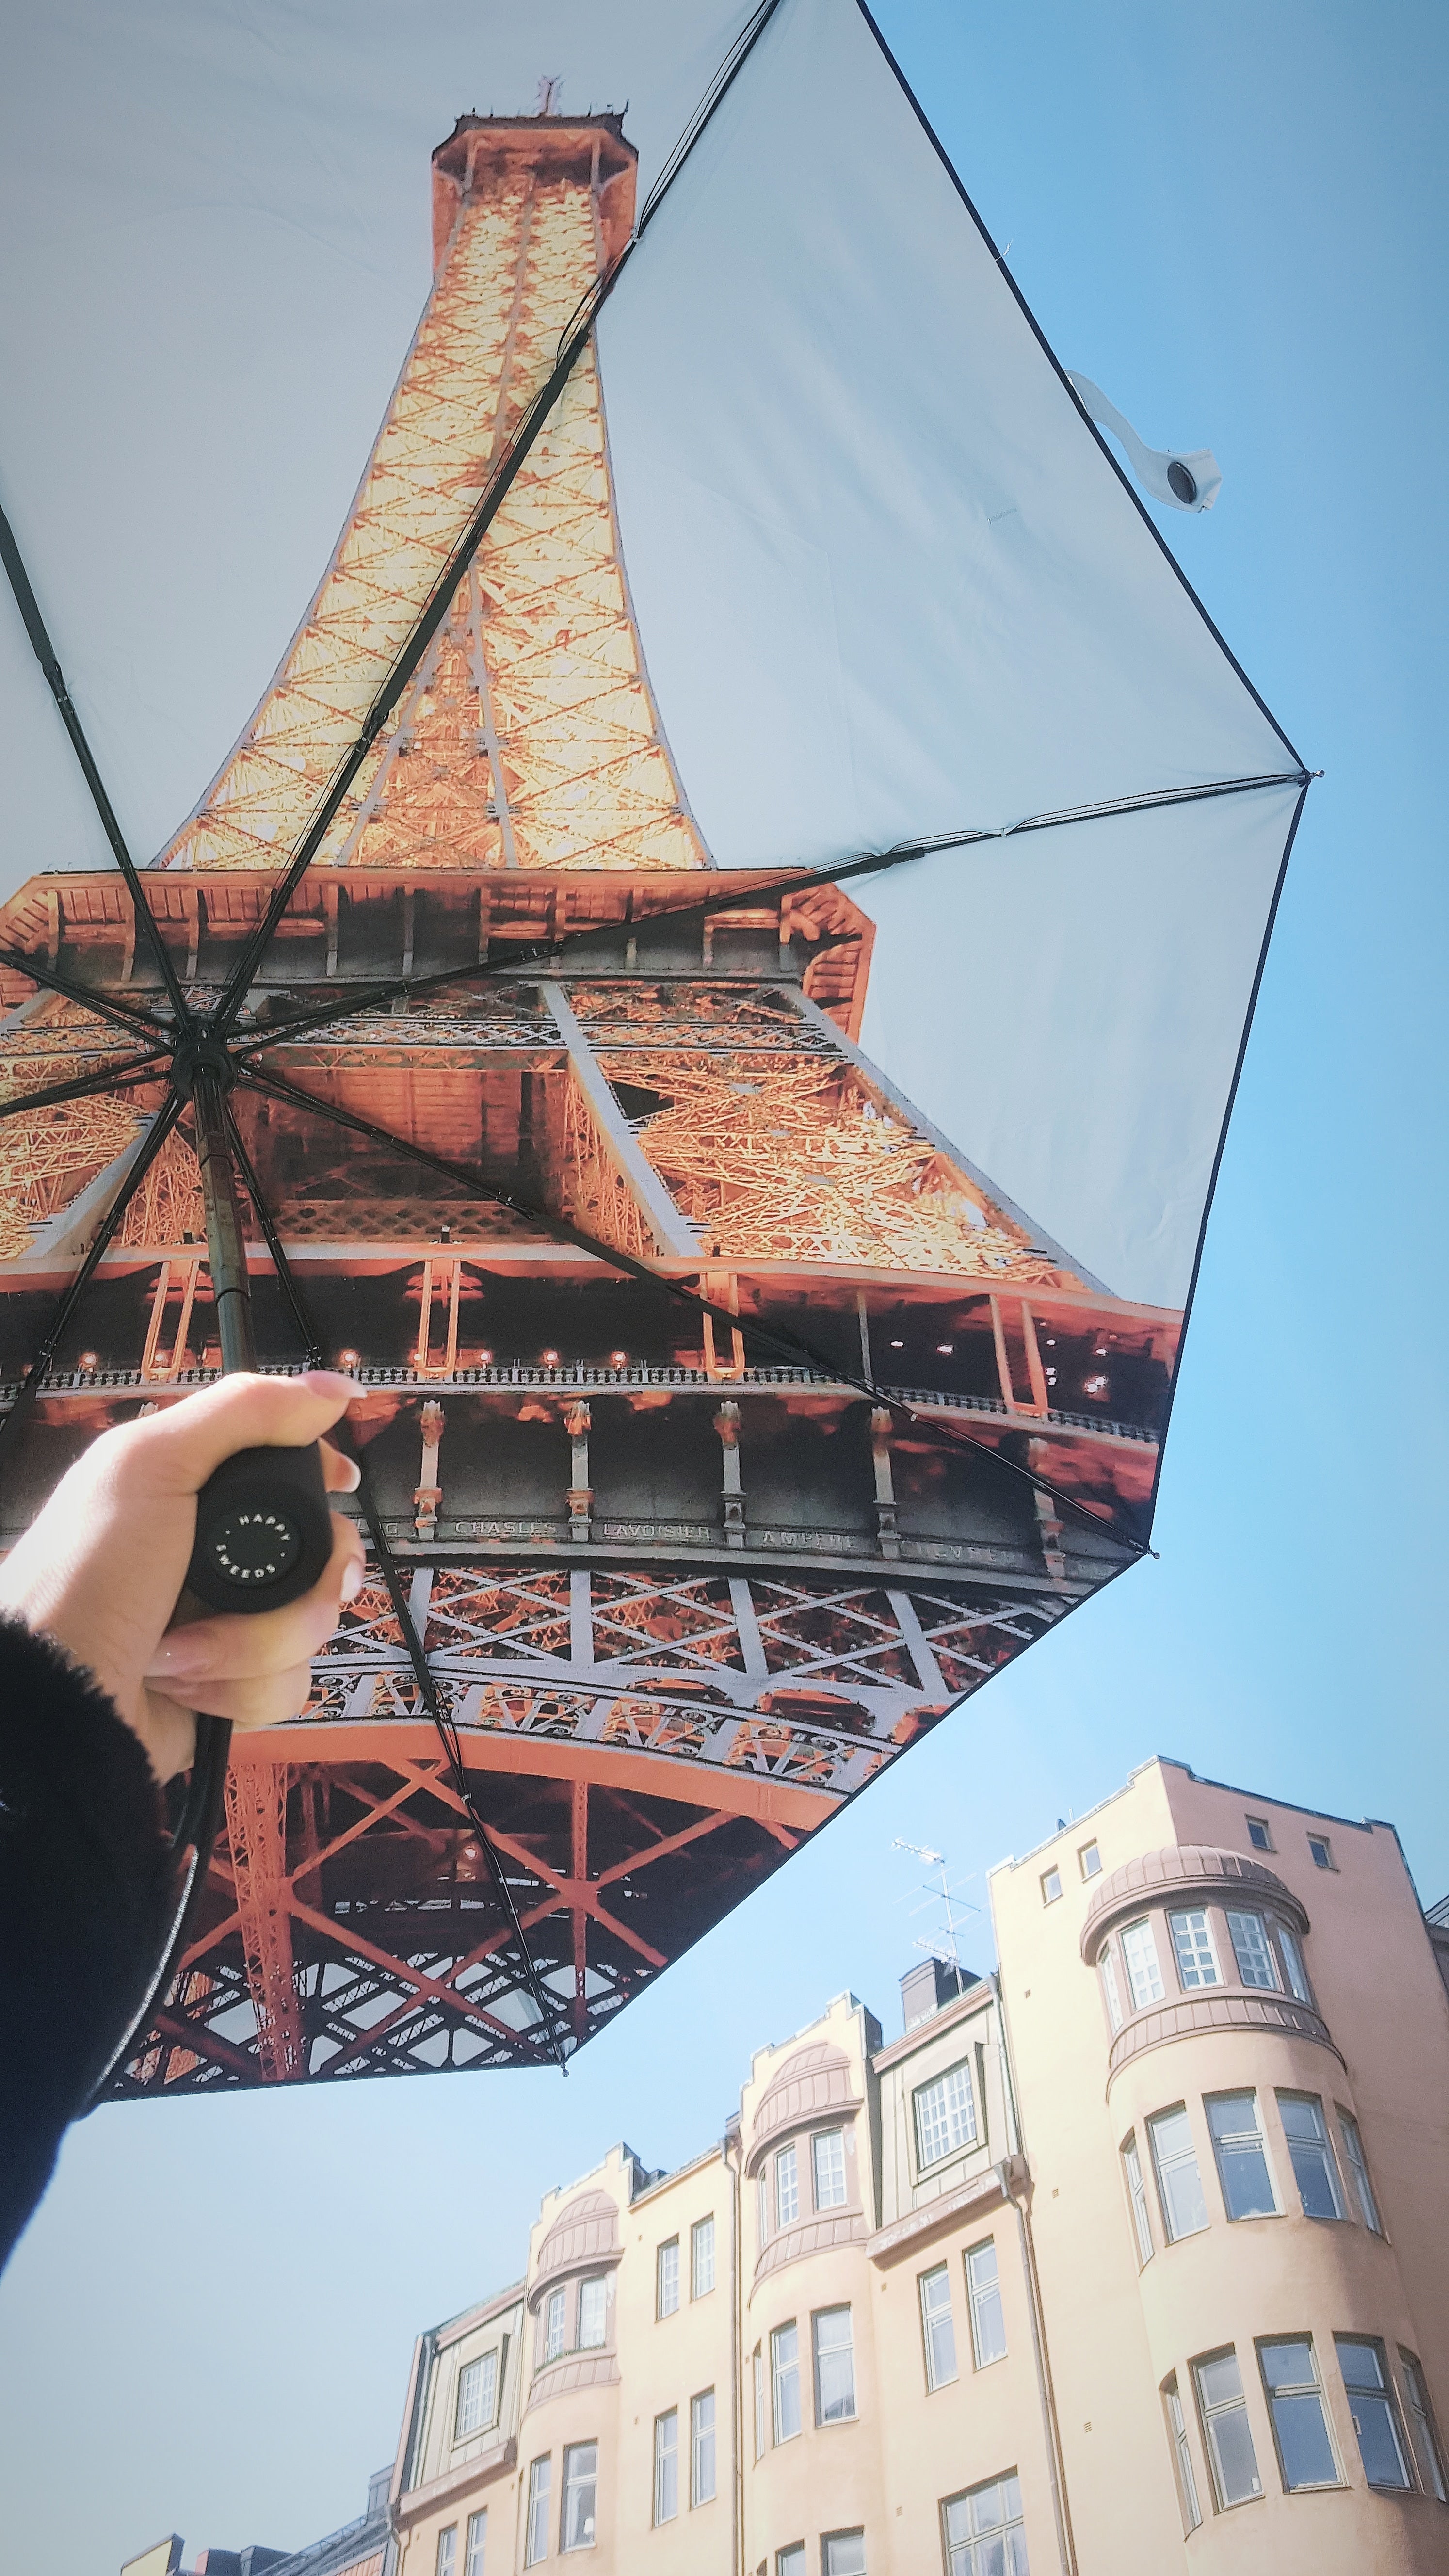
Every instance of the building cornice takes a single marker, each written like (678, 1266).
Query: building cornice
(417, 2501)
(980, 2194)
(961, 2008)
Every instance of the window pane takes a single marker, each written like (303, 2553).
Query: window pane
(1322, 1856)
(667, 2278)
(988, 2325)
(1051, 1886)
(476, 2382)
(1293, 1962)
(938, 2327)
(1182, 2457)
(448, 2550)
(1258, 1834)
(785, 2370)
(581, 2469)
(666, 2465)
(1363, 2188)
(828, 2150)
(791, 2561)
(553, 2330)
(759, 2405)
(1184, 2209)
(1225, 2425)
(1314, 2169)
(984, 2533)
(945, 2115)
(1422, 2429)
(1091, 1860)
(834, 2367)
(1191, 1939)
(1252, 1950)
(1242, 2156)
(1372, 2409)
(845, 2553)
(540, 2478)
(1137, 2194)
(1144, 1976)
(476, 2563)
(701, 2448)
(701, 2258)
(1295, 2403)
(593, 2309)
(1108, 1966)
(787, 2188)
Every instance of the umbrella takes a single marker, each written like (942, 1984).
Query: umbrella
(730, 557)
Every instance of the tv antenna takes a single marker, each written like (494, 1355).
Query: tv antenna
(948, 1896)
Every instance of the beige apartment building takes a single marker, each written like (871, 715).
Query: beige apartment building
(1132, 2258)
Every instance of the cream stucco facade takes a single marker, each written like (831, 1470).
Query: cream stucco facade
(1132, 2258)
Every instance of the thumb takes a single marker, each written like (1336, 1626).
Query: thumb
(188, 1442)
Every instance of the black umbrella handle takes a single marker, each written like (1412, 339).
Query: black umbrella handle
(263, 1530)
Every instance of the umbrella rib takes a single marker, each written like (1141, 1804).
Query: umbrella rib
(86, 1086)
(30, 1387)
(134, 1022)
(797, 882)
(46, 656)
(563, 1231)
(402, 1607)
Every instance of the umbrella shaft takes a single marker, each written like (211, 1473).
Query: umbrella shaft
(225, 1235)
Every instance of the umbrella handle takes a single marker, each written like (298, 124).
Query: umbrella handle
(263, 1530)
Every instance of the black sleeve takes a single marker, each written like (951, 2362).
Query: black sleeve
(87, 1891)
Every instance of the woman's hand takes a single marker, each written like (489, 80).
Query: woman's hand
(101, 1568)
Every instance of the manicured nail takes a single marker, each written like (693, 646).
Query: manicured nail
(352, 1580)
(181, 1658)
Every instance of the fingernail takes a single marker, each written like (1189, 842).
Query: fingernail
(352, 1580)
(180, 1658)
(330, 1382)
(353, 1477)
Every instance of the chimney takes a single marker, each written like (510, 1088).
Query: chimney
(929, 1986)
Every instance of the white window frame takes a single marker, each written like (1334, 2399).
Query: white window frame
(1194, 1950)
(592, 2343)
(1321, 1843)
(1294, 2391)
(701, 2257)
(1384, 2395)
(1424, 2439)
(666, 2466)
(1253, 1940)
(666, 2279)
(476, 2377)
(983, 2291)
(1324, 2141)
(761, 2441)
(831, 2139)
(833, 2565)
(1265, 1829)
(961, 2555)
(1144, 1968)
(1211, 2411)
(539, 2515)
(1136, 2182)
(787, 2187)
(1107, 1968)
(1161, 2167)
(1226, 2140)
(702, 2448)
(1089, 1852)
(1357, 2163)
(1295, 1967)
(555, 2324)
(958, 2114)
(568, 2486)
(1182, 2457)
(446, 2561)
(782, 2371)
(1051, 1886)
(832, 2352)
(475, 2555)
(933, 2317)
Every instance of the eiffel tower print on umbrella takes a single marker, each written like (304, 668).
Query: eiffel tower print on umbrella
(741, 644)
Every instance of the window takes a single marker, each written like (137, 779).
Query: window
(477, 2396)
(1051, 1886)
(1295, 2403)
(1423, 2431)
(1258, 1833)
(1090, 1859)
(842, 2553)
(791, 2561)
(988, 2324)
(580, 2483)
(945, 2115)
(1242, 2156)
(535, 2543)
(1322, 1851)
(1144, 1976)
(448, 2550)
(666, 2465)
(553, 2324)
(1298, 1985)
(1179, 2185)
(937, 2326)
(666, 2279)
(1363, 2190)
(593, 2311)
(762, 2195)
(985, 2535)
(1182, 2456)
(701, 2448)
(1226, 2433)
(785, 2373)
(1110, 1988)
(787, 2187)
(1375, 2418)
(759, 2403)
(475, 2560)
(828, 2153)
(1197, 1963)
(1137, 2195)
(701, 2258)
(1314, 2169)
(1253, 1951)
(834, 2366)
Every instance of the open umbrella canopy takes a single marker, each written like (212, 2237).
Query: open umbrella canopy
(717, 972)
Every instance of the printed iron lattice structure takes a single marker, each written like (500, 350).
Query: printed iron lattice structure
(680, 1596)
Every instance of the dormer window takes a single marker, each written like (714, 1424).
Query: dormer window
(945, 2116)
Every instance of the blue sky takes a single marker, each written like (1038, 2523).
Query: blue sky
(1234, 228)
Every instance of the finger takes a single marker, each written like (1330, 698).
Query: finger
(188, 1442)
(230, 1647)
(270, 1701)
(340, 1474)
